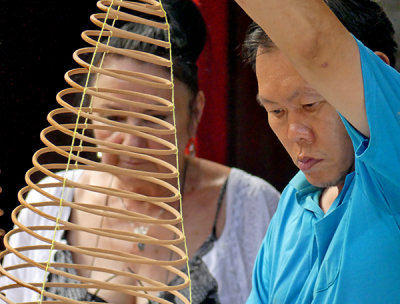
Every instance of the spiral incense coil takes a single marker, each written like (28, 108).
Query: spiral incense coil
(2, 232)
(53, 211)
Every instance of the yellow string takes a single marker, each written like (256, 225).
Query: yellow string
(72, 145)
(176, 154)
(81, 145)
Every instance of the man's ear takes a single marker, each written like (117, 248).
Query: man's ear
(196, 112)
(383, 57)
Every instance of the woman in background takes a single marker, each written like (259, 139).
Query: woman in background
(225, 210)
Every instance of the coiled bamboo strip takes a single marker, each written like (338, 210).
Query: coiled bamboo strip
(87, 120)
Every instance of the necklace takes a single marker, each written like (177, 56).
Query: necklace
(140, 229)
(144, 229)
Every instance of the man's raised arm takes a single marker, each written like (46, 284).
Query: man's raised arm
(320, 48)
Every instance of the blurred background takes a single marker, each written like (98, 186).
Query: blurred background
(37, 39)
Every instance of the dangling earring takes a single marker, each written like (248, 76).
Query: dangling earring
(99, 156)
(191, 147)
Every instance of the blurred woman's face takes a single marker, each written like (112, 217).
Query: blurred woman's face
(182, 99)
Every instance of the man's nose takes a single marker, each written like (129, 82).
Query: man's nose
(299, 132)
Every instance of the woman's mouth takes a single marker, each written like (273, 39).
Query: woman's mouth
(131, 163)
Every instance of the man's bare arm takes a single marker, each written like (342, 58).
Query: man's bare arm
(320, 48)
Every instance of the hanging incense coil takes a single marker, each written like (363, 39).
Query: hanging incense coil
(2, 232)
(53, 211)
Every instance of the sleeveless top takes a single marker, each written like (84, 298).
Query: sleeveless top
(204, 286)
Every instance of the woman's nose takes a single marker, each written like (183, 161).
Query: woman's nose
(134, 140)
(300, 133)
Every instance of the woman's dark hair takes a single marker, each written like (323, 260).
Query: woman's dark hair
(365, 19)
(188, 35)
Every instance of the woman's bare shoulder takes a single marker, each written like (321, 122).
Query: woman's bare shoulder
(209, 172)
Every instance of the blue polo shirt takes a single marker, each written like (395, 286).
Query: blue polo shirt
(351, 254)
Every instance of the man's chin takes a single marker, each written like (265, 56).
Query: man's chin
(325, 182)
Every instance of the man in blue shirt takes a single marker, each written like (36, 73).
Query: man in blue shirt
(335, 106)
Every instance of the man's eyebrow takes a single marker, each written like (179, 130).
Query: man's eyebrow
(262, 101)
(311, 93)
(308, 91)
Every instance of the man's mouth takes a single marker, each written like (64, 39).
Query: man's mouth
(306, 163)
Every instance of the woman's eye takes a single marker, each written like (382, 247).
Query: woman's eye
(154, 124)
(116, 118)
(160, 116)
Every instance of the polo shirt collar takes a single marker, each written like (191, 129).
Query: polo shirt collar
(307, 195)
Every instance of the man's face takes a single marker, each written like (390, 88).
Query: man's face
(308, 127)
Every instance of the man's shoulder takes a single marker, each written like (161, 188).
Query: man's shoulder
(375, 70)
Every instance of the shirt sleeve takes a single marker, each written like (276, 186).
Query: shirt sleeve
(29, 218)
(260, 281)
(32, 275)
(378, 157)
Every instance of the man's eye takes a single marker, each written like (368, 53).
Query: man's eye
(311, 105)
(276, 112)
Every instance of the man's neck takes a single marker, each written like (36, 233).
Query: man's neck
(328, 196)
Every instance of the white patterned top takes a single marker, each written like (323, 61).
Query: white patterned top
(250, 204)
